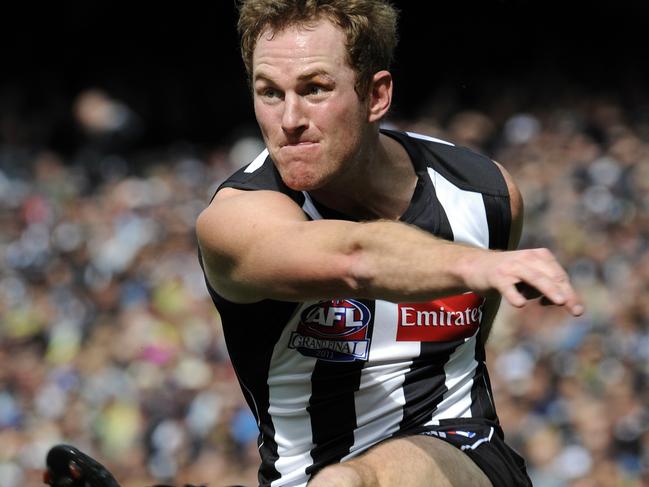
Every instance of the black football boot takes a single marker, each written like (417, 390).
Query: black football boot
(69, 467)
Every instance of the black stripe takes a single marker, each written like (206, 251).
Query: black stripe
(251, 356)
(266, 177)
(426, 212)
(444, 226)
(498, 212)
(332, 408)
(330, 213)
(481, 396)
(499, 220)
(463, 167)
(251, 353)
(424, 385)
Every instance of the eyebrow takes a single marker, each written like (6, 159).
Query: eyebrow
(314, 74)
(303, 77)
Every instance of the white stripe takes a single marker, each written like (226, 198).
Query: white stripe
(258, 162)
(459, 371)
(289, 390)
(465, 211)
(380, 398)
(428, 137)
(379, 405)
(309, 208)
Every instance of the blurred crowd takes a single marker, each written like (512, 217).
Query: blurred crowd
(109, 342)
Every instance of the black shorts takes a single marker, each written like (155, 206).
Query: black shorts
(484, 442)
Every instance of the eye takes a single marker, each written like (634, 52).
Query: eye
(269, 93)
(317, 90)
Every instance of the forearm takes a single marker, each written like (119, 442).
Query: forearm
(399, 262)
(330, 259)
(277, 254)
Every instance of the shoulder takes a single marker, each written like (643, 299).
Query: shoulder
(468, 170)
(237, 224)
(253, 193)
(465, 168)
(260, 174)
(512, 188)
(233, 208)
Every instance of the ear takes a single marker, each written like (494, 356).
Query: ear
(380, 96)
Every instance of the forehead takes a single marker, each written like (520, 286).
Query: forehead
(319, 41)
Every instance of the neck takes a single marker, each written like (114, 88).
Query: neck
(378, 185)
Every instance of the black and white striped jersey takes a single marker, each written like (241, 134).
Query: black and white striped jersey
(328, 379)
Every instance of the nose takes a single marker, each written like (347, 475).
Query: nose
(294, 116)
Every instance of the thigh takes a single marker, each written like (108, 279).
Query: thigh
(418, 461)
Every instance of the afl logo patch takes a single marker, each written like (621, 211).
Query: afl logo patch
(335, 331)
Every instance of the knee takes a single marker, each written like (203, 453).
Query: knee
(345, 475)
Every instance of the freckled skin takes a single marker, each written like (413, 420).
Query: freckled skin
(311, 118)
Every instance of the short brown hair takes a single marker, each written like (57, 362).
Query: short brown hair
(370, 27)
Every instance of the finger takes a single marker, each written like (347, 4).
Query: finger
(564, 294)
(575, 308)
(575, 305)
(560, 279)
(536, 283)
(512, 295)
(542, 276)
(530, 293)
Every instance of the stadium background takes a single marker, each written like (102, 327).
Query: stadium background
(116, 123)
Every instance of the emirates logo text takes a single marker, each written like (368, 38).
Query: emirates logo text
(445, 319)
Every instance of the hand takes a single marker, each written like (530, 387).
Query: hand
(522, 275)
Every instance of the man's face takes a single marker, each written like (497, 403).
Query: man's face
(311, 118)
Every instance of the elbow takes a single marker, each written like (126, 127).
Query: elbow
(362, 261)
(358, 276)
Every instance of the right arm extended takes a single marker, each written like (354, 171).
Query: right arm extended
(259, 244)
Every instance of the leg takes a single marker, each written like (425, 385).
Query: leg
(414, 461)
